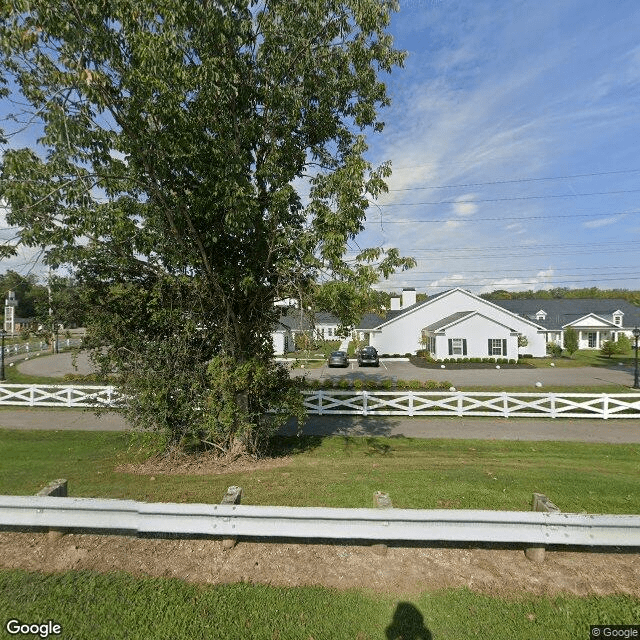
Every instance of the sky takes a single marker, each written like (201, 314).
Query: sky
(513, 134)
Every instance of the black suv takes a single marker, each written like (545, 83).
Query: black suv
(368, 356)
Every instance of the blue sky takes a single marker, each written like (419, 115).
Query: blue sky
(514, 135)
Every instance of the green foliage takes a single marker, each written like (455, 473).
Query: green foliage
(623, 344)
(246, 404)
(554, 349)
(173, 135)
(570, 340)
(608, 348)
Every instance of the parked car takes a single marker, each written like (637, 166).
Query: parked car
(338, 359)
(368, 356)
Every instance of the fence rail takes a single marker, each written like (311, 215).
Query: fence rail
(421, 525)
(374, 403)
(58, 395)
(470, 403)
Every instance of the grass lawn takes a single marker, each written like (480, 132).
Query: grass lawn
(584, 358)
(90, 606)
(332, 472)
(345, 472)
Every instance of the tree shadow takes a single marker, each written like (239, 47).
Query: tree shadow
(343, 425)
(407, 624)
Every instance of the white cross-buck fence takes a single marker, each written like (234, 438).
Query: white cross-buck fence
(374, 403)
(474, 403)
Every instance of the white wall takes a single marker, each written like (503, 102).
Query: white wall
(477, 330)
(403, 334)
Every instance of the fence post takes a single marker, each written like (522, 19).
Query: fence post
(552, 397)
(460, 411)
(320, 396)
(411, 394)
(58, 489)
(365, 395)
(381, 501)
(32, 395)
(605, 406)
(540, 502)
(505, 404)
(233, 496)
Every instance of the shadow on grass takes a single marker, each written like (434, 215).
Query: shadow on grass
(343, 425)
(407, 624)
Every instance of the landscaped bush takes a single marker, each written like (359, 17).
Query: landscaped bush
(554, 349)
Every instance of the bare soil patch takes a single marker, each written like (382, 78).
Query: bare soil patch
(206, 463)
(396, 570)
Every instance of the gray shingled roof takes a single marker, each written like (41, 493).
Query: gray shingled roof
(448, 320)
(373, 320)
(563, 311)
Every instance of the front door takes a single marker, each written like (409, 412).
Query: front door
(593, 338)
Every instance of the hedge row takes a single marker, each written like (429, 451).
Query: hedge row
(358, 385)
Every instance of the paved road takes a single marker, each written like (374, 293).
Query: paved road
(551, 376)
(587, 430)
(58, 365)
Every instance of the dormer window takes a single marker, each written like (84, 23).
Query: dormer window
(617, 318)
(541, 315)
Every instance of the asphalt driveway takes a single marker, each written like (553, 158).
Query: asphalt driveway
(59, 364)
(552, 376)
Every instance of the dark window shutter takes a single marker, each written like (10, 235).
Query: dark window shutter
(464, 346)
(489, 347)
(450, 347)
(504, 348)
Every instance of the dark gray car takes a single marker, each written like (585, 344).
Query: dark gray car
(338, 359)
(368, 356)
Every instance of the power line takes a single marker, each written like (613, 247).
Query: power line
(511, 199)
(561, 245)
(496, 218)
(513, 181)
(497, 282)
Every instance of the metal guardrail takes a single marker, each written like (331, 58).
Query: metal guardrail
(313, 523)
(374, 403)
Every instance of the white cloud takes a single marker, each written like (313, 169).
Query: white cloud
(601, 222)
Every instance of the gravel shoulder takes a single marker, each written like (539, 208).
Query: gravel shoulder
(396, 570)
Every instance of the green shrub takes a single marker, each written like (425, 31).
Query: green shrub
(608, 348)
(624, 343)
(554, 349)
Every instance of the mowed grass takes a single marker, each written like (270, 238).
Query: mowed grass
(344, 472)
(95, 606)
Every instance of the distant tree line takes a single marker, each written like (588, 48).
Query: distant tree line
(563, 292)
(63, 295)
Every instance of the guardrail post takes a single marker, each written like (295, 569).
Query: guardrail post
(233, 496)
(58, 489)
(540, 503)
(381, 501)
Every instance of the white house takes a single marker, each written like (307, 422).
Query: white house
(453, 324)
(595, 320)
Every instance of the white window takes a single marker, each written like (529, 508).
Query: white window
(617, 320)
(457, 347)
(497, 347)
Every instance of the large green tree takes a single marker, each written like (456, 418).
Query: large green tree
(199, 160)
